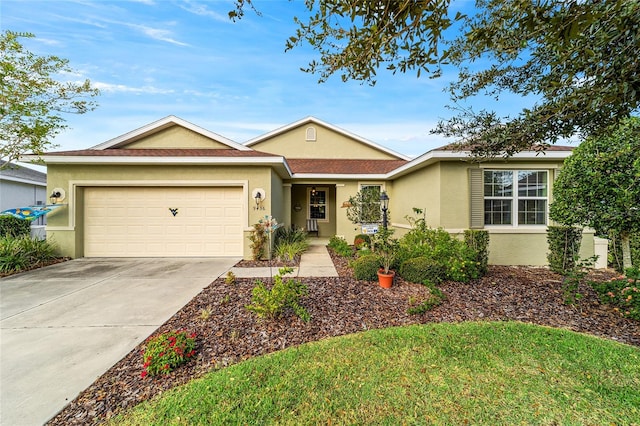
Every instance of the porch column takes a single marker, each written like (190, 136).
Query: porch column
(286, 200)
(342, 224)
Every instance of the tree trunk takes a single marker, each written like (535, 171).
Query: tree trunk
(626, 250)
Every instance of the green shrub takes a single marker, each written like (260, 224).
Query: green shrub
(420, 269)
(271, 303)
(362, 240)
(366, 267)
(622, 292)
(435, 298)
(290, 235)
(11, 226)
(167, 351)
(290, 243)
(288, 251)
(340, 246)
(478, 240)
(17, 254)
(564, 248)
(442, 248)
(258, 240)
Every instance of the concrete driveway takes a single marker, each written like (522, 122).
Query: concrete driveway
(63, 326)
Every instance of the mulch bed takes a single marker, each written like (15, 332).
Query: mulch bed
(341, 306)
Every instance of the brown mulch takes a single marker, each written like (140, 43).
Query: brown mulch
(340, 306)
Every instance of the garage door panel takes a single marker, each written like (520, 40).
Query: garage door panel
(136, 221)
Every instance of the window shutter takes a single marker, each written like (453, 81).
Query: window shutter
(477, 198)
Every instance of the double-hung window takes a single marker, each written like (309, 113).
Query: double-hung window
(515, 197)
(318, 208)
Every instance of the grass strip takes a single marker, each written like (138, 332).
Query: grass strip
(500, 373)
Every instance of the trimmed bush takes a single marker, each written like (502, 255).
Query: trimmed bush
(564, 248)
(11, 226)
(478, 240)
(421, 269)
(366, 267)
(340, 246)
(438, 245)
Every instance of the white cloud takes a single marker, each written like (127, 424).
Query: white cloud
(121, 88)
(202, 10)
(157, 34)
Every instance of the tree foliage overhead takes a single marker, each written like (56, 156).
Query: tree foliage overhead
(579, 59)
(599, 184)
(32, 100)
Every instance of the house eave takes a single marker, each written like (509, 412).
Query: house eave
(277, 162)
(435, 156)
(343, 176)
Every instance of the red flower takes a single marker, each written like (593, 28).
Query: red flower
(166, 366)
(143, 374)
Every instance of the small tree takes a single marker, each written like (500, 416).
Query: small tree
(599, 185)
(33, 100)
(364, 207)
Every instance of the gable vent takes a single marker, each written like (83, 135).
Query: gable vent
(310, 135)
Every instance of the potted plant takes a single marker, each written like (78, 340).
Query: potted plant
(385, 248)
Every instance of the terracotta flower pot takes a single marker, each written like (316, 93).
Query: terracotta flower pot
(386, 280)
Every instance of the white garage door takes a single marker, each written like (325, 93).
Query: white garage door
(140, 221)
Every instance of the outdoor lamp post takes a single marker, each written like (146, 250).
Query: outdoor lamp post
(384, 204)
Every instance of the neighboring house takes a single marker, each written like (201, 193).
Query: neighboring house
(174, 189)
(22, 187)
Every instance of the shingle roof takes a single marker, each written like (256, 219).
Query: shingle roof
(458, 147)
(15, 171)
(334, 166)
(163, 152)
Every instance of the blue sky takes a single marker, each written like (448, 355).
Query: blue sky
(154, 58)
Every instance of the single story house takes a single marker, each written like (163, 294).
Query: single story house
(172, 188)
(23, 187)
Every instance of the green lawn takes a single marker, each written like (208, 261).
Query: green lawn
(493, 373)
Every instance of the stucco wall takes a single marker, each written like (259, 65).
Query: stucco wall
(328, 144)
(443, 188)
(65, 224)
(421, 189)
(176, 137)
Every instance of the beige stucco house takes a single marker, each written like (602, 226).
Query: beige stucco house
(174, 189)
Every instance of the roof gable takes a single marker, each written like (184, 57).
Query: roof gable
(170, 133)
(312, 138)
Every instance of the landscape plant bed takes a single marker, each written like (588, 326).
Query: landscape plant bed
(340, 306)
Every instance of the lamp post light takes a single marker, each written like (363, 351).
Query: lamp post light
(384, 204)
(258, 199)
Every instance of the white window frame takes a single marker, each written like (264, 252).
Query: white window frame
(326, 202)
(515, 197)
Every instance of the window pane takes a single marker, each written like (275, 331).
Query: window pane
(497, 212)
(318, 204)
(532, 183)
(532, 212)
(498, 183)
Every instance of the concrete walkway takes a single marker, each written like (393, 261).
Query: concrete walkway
(63, 326)
(315, 262)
